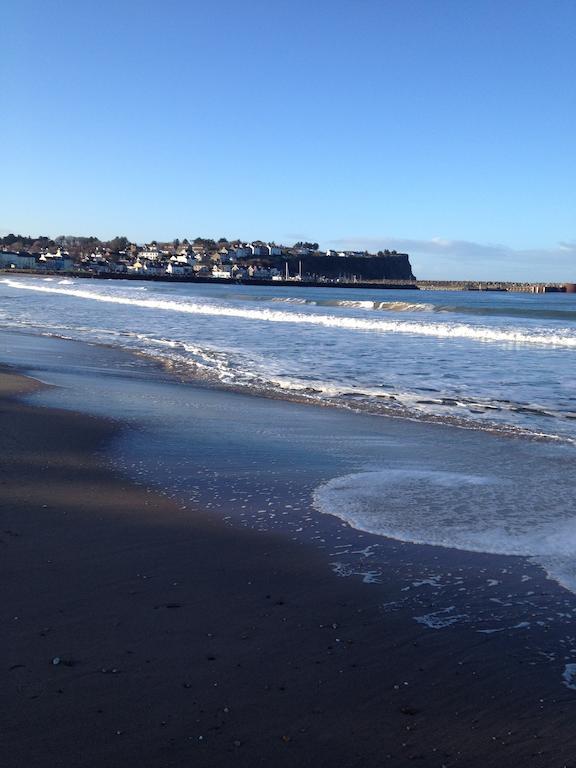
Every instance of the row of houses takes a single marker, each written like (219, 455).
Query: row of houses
(227, 252)
(221, 271)
(98, 263)
(52, 262)
(228, 260)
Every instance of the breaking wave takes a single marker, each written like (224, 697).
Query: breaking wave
(559, 337)
(521, 312)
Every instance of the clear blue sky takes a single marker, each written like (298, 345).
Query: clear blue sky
(443, 127)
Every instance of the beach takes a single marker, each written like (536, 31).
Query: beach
(234, 534)
(141, 631)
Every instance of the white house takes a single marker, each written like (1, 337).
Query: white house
(178, 268)
(151, 253)
(181, 258)
(222, 271)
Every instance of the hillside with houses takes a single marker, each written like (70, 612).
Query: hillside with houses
(201, 258)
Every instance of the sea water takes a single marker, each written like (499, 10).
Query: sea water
(495, 369)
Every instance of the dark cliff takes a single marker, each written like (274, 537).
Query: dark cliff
(390, 267)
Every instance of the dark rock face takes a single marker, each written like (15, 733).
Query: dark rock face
(392, 267)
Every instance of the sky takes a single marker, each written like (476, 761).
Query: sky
(444, 128)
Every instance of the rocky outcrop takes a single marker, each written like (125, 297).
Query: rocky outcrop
(390, 267)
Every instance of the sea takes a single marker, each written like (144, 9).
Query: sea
(484, 360)
(440, 419)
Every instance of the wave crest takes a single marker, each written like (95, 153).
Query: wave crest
(445, 330)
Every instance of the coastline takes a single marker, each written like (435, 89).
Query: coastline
(383, 284)
(182, 639)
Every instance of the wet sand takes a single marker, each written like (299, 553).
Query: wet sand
(137, 633)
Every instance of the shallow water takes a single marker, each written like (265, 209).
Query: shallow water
(499, 361)
(245, 456)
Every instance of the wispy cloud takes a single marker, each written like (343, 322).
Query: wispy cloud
(467, 260)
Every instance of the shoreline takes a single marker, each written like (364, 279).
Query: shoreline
(184, 373)
(182, 639)
(482, 286)
(201, 386)
(233, 361)
(396, 285)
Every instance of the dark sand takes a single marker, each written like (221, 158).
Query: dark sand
(183, 642)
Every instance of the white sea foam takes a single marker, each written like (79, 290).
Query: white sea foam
(479, 513)
(561, 312)
(441, 619)
(403, 306)
(543, 337)
(569, 676)
(287, 300)
(366, 304)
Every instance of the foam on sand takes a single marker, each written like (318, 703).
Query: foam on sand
(480, 513)
(569, 676)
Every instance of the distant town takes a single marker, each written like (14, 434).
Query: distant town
(201, 258)
(206, 260)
